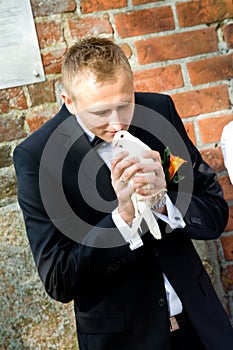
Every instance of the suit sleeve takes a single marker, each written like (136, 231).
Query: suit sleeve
(67, 268)
(204, 208)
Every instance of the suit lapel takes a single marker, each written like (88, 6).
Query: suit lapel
(90, 165)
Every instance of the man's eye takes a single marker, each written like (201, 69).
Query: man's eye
(124, 106)
(101, 113)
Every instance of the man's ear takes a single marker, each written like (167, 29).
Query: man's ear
(70, 105)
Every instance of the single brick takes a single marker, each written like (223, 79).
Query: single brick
(214, 157)
(195, 102)
(158, 79)
(53, 60)
(144, 21)
(211, 69)
(228, 35)
(12, 98)
(4, 101)
(227, 187)
(140, 2)
(189, 127)
(230, 220)
(39, 116)
(8, 187)
(191, 13)
(5, 155)
(12, 128)
(42, 93)
(227, 244)
(88, 6)
(80, 27)
(227, 278)
(211, 128)
(176, 46)
(50, 7)
(49, 33)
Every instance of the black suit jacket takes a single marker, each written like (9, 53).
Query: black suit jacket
(119, 295)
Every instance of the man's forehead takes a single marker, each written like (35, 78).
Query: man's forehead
(113, 105)
(101, 78)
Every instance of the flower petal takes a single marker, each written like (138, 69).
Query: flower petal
(175, 163)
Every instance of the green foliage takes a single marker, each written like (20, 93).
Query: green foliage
(166, 163)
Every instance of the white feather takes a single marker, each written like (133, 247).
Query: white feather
(124, 141)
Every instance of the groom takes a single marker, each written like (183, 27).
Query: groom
(130, 291)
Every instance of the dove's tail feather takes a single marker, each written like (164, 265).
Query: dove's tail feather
(137, 214)
(152, 223)
(143, 210)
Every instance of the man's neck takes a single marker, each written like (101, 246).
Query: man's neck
(89, 134)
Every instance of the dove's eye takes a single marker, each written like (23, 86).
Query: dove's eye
(122, 135)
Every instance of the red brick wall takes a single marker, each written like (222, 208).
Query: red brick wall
(183, 48)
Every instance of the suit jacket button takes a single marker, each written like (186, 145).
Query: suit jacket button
(161, 302)
(156, 252)
(195, 220)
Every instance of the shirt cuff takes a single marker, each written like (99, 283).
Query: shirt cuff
(129, 233)
(174, 217)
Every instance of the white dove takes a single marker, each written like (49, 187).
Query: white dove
(124, 141)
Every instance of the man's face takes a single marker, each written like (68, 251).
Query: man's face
(104, 108)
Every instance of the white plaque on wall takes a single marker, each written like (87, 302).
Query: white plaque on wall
(20, 59)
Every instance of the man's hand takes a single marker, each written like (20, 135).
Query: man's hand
(152, 178)
(138, 180)
(123, 168)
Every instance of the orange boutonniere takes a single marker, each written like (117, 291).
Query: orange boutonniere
(170, 165)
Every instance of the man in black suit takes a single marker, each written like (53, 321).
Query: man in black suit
(130, 291)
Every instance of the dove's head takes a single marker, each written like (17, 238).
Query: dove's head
(119, 138)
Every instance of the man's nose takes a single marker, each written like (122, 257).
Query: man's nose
(115, 120)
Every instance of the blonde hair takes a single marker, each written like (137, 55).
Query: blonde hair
(98, 56)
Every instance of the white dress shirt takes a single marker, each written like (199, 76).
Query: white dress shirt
(227, 148)
(130, 235)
